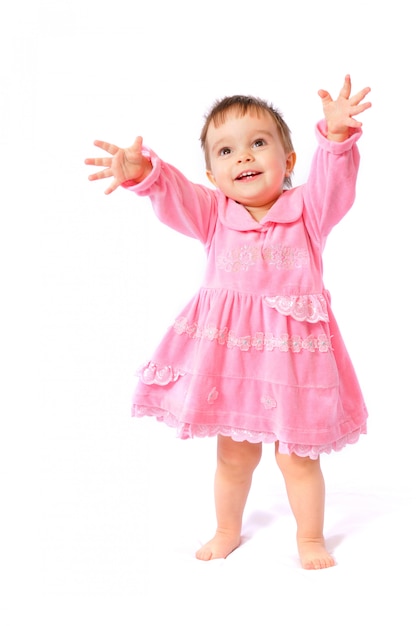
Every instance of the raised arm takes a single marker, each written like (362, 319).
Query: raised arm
(330, 189)
(184, 206)
(124, 165)
(340, 113)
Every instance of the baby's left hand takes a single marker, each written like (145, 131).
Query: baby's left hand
(339, 113)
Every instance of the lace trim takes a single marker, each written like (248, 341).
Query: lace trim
(187, 431)
(259, 341)
(308, 308)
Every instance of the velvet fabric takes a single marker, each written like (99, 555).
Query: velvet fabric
(257, 354)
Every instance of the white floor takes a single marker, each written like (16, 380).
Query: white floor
(101, 528)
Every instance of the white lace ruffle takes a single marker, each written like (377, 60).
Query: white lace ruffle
(307, 308)
(188, 431)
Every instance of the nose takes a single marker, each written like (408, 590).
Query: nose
(244, 157)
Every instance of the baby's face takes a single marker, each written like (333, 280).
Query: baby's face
(247, 160)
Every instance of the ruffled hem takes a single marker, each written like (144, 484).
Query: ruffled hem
(189, 431)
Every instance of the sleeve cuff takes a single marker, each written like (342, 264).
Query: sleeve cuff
(143, 187)
(336, 147)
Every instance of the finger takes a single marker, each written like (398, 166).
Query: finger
(138, 142)
(102, 174)
(360, 108)
(325, 96)
(360, 96)
(352, 121)
(346, 87)
(112, 187)
(106, 162)
(108, 147)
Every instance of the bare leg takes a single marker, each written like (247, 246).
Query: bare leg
(236, 462)
(306, 492)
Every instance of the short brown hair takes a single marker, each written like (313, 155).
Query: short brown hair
(242, 104)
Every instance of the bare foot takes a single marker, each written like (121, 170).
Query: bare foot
(314, 555)
(220, 546)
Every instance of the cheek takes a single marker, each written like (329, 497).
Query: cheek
(279, 167)
(220, 174)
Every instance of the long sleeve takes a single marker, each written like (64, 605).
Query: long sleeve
(187, 207)
(330, 190)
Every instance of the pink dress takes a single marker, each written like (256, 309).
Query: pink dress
(256, 354)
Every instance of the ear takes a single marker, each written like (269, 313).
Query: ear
(211, 178)
(290, 163)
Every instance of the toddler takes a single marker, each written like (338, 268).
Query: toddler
(256, 356)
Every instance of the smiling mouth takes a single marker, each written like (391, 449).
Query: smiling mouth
(249, 175)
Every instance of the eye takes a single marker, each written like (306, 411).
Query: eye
(224, 151)
(259, 143)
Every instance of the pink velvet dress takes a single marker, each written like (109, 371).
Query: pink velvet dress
(256, 355)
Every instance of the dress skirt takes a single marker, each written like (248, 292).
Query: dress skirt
(255, 369)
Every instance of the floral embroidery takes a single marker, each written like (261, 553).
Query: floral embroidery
(239, 259)
(282, 257)
(211, 333)
(212, 396)
(268, 402)
(309, 308)
(297, 343)
(323, 343)
(285, 257)
(153, 374)
(259, 341)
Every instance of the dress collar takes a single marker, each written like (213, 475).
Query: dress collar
(288, 208)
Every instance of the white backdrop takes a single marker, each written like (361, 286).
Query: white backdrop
(100, 513)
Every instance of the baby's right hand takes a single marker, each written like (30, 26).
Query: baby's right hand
(127, 164)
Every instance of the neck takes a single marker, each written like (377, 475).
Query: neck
(257, 213)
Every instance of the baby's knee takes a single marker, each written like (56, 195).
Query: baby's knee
(292, 463)
(238, 454)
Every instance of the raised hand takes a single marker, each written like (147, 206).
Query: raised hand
(340, 113)
(127, 164)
